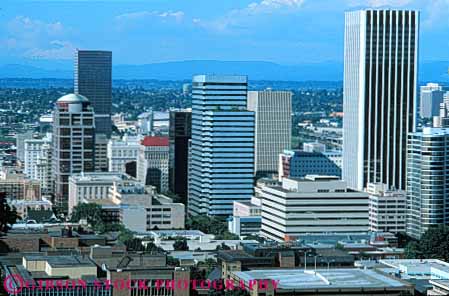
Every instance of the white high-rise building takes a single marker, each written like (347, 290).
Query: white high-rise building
(313, 205)
(273, 123)
(152, 164)
(380, 100)
(387, 209)
(431, 98)
(122, 152)
(33, 152)
(221, 156)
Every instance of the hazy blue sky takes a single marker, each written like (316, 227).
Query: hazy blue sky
(147, 31)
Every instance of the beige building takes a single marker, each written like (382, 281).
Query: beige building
(94, 185)
(18, 186)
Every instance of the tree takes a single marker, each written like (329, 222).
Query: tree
(8, 215)
(125, 235)
(210, 225)
(434, 244)
(181, 245)
(411, 251)
(223, 246)
(90, 212)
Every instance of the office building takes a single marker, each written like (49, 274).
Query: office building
(427, 180)
(273, 128)
(33, 152)
(245, 219)
(387, 209)
(93, 79)
(44, 171)
(221, 157)
(94, 185)
(17, 186)
(298, 164)
(314, 147)
(379, 100)
(145, 123)
(139, 208)
(101, 153)
(20, 144)
(152, 164)
(313, 205)
(180, 133)
(122, 153)
(73, 143)
(431, 99)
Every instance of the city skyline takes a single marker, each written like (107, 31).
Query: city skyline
(175, 31)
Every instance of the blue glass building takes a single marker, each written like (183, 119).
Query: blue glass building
(221, 155)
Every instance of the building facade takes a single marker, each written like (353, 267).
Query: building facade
(180, 133)
(34, 150)
(93, 79)
(73, 143)
(152, 164)
(431, 98)
(93, 185)
(387, 209)
(427, 180)
(273, 128)
(101, 153)
(221, 156)
(122, 152)
(314, 205)
(380, 100)
(298, 164)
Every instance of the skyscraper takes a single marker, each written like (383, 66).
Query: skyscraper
(180, 132)
(379, 104)
(431, 98)
(93, 79)
(221, 156)
(73, 143)
(273, 111)
(427, 180)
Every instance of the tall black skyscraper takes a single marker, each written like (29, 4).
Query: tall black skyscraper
(93, 79)
(380, 101)
(180, 133)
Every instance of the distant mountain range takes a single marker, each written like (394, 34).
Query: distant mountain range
(184, 70)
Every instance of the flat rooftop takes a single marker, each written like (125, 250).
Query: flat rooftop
(323, 279)
(417, 268)
(63, 261)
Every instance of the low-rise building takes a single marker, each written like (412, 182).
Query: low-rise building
(246, 218)
(94, 185)
(387, 209)
(140, 208)
(24, 206)
(314, 205)
(17, 186)
(321, 282)
(298, 164)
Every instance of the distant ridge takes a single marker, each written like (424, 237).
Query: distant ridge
(256, 70)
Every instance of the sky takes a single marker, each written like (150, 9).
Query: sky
(288, 32)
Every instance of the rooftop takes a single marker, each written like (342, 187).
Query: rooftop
(99, 177)
(323, 279)
(62, 261)
(72, 98)
(155, 141)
